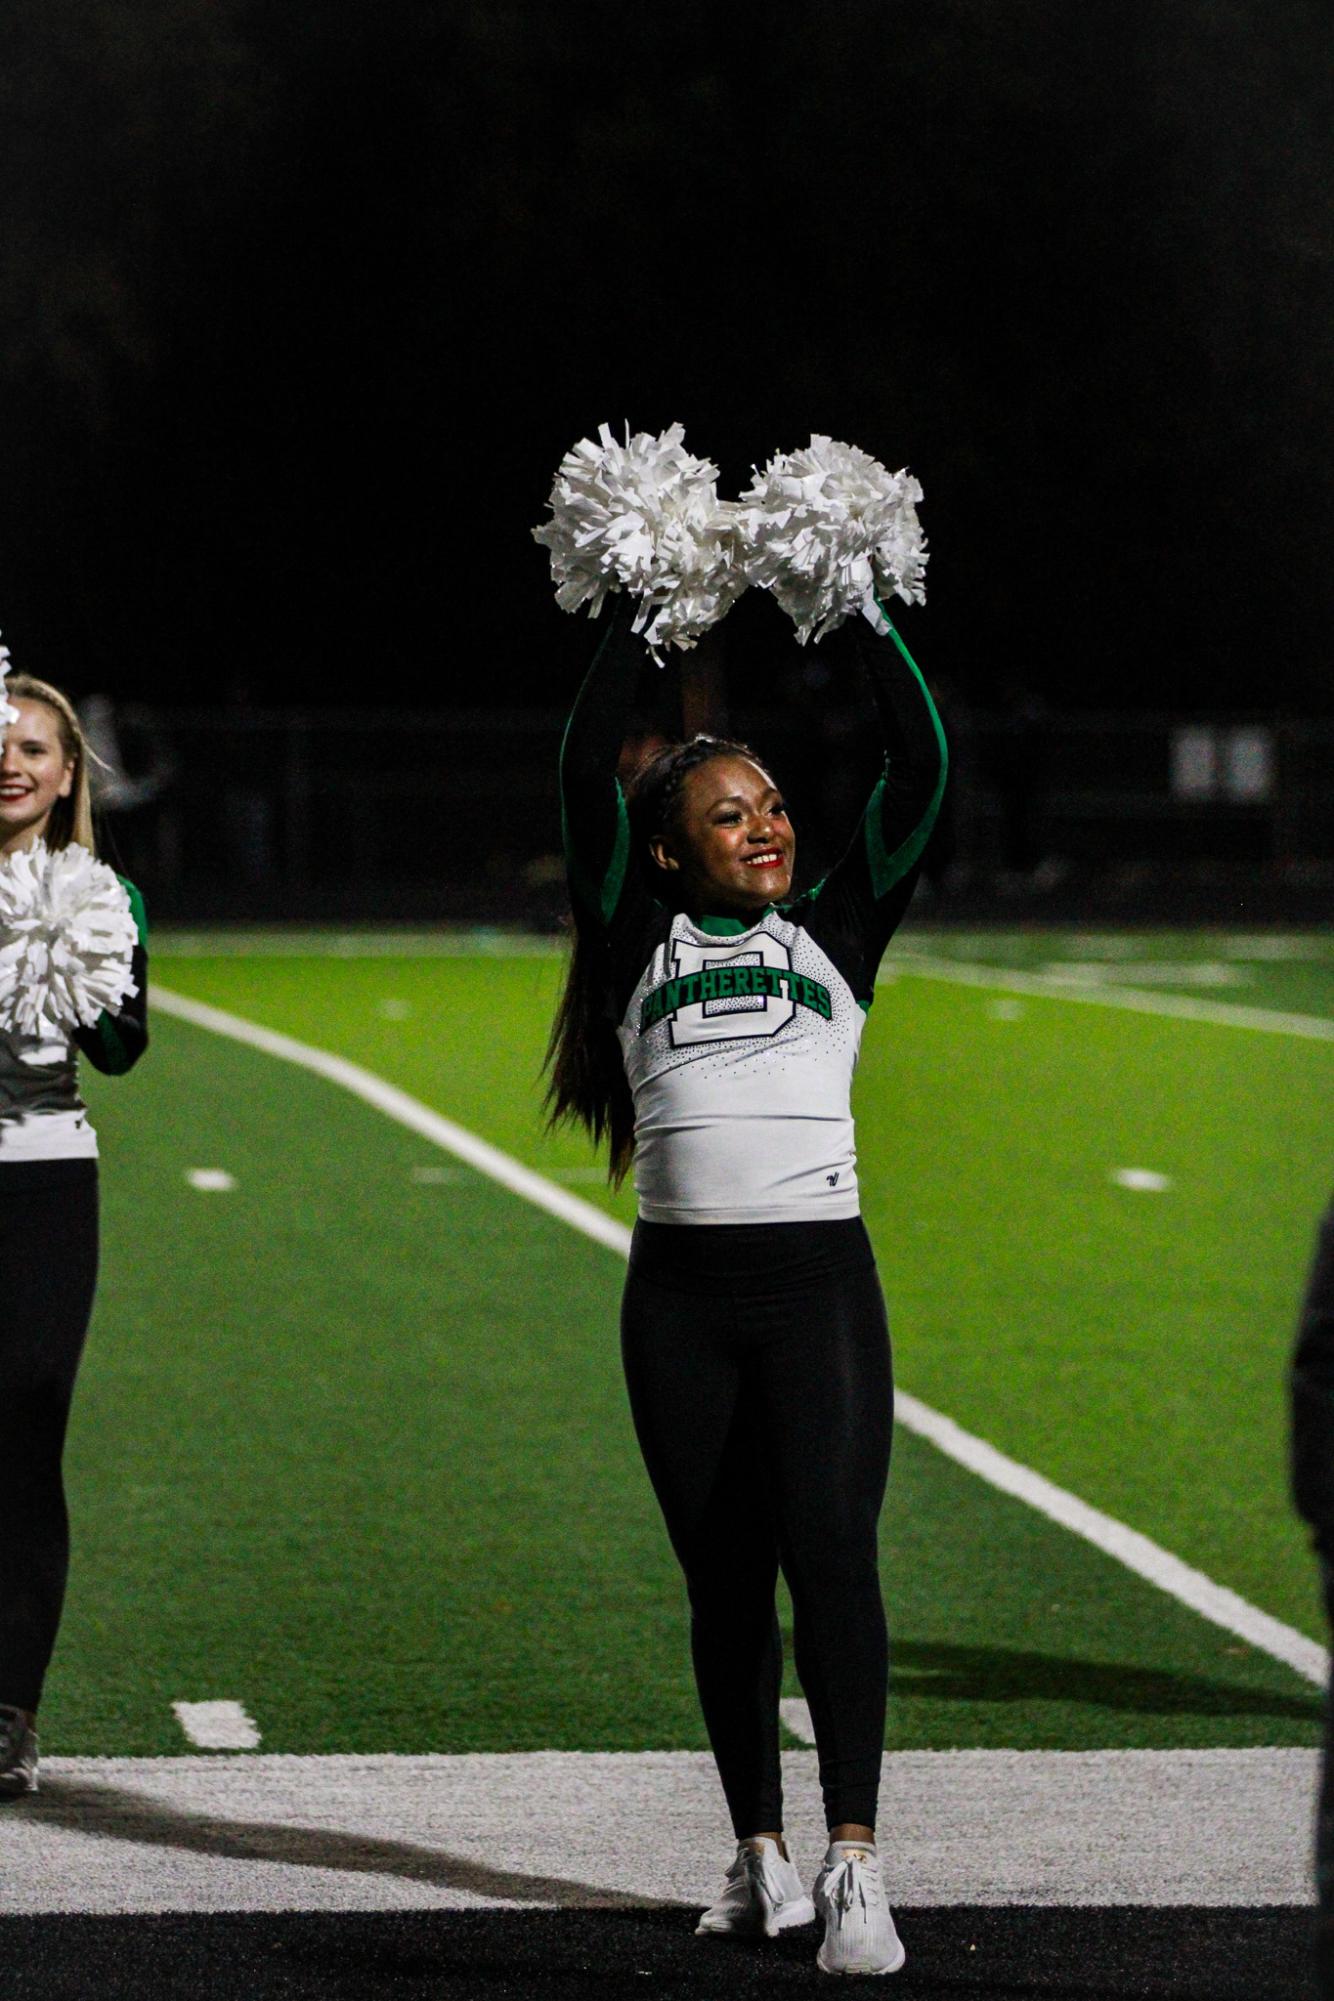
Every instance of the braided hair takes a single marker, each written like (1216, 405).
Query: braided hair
(587, 1076)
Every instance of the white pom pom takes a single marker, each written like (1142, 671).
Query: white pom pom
(8, 713)
(827, 528)
(66, 936)
(643, 517)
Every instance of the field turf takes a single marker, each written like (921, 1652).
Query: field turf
(351, 1445)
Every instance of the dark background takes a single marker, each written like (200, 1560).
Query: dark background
(301, 306)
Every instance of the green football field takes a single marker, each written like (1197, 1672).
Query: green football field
(351, 1447)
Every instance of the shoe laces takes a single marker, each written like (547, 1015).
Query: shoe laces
(854, 1880)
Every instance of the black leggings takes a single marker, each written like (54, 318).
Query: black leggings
(757, 1359)
(48, 1272)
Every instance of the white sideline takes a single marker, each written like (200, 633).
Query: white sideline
(1059, 986)
(505, 1830)
(1147, 1559)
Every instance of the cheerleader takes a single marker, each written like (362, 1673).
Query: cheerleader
(1312, 1403)
(48, 1226)
(708, 1029)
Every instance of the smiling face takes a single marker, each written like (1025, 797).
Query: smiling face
(730, 842)
(35, 771)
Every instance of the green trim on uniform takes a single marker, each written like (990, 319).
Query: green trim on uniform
(613, 882)
(602, 897)
(116, 1056)
(887, 869)
(729, 927)
(137, 910)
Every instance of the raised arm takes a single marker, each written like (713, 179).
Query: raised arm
(115, 1042)
(858, 906)
(902, 809)
(594, 823)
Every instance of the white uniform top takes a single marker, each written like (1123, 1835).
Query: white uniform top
(739, 1039)
(739, 1051)
(42, 1116)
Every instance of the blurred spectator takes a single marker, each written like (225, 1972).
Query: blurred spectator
(126, 795)
(1313, 1491)
(248, 794)
(1018, 767)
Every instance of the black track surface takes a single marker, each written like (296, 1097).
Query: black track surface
(1083, 1955)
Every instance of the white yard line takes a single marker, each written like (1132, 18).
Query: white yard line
(1181, 1007)
(507, 1830)
(794, 1713)
(1147, 1559)
(283, 941)
(1191, 1587)
(409, 1112)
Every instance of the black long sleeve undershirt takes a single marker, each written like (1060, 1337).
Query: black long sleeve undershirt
(593, 814)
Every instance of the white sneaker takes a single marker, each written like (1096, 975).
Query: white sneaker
(763, 1896)
(18, 1753)
(859, 1934)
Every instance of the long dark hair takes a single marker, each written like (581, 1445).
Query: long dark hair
(587, 1083)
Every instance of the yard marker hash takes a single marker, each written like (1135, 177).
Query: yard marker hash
(217, 1726)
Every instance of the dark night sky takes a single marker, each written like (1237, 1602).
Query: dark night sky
(301, 307)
